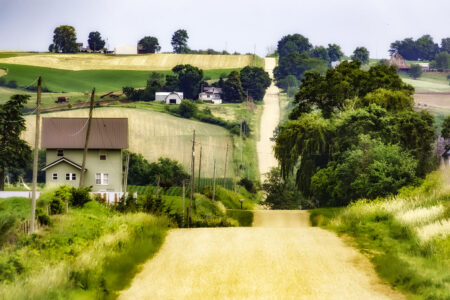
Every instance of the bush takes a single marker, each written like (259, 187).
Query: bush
(415, 71)
(42, 217)
(187, 109)
(12, 84)
(248, 184)
(80, 196)
(56, 206)
(244, 217)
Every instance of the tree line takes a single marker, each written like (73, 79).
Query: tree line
(297, 56)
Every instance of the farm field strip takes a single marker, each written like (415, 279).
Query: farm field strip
(155, 135)
(159, 61)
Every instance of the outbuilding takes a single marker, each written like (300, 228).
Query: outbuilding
(125, 50)
(169, 97)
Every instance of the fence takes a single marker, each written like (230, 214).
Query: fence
(24, 226)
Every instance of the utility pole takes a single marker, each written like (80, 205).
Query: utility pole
(184, 209)
(157, 185)
(125, 177)
(199, 169)
(36, 154)
(226, 162)
(192, 178)
(214, 181)
(88, 131)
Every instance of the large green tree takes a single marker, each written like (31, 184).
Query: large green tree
(65, 39)
(320, 52)
(149, 44)
(14, 152)
(361, 54)
(423, 48)
(445, 45)
(189, 80)
(297, 64)
(95, 41)
(293, 43)
(255, 81)
(442, 61)
(334, 52)
(232, 88)
(179, 41)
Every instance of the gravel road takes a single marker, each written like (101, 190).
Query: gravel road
(281, 257)
(269, 121)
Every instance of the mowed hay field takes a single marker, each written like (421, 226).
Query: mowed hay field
(59, 80)
(76, 62)
(155, 135)
(429, 82)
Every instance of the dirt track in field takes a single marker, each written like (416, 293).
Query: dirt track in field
(282, 257)
(269, 121)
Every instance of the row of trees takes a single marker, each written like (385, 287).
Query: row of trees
(354, 134)
(297, 55)
(65, 40)
(424, 48)
(189, 80)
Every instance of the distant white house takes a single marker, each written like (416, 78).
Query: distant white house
(169, 97)
(211, 94)
(125, 50)
(425, 66)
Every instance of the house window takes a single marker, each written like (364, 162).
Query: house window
(71, 176)
(55, 176)
(60, 152)
(102, 155)
(101, 179)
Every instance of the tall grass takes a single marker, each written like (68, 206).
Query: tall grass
(89, 253)
(407, 237)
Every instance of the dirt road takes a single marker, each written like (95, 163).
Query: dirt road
(269, 121)
(280, 258)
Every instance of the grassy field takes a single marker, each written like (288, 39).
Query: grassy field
(84, 61)
(155, 134)
(407, 237)
(59, 80)
(428, 82)
(89, 253)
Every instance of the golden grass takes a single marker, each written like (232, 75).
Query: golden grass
(157, 61)
(155, 135)
(2, 72)
(421, 215)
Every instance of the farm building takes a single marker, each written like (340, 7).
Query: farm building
(64, 139)
(169, 97)
(211, 94)
(398, 61)
(125, 50)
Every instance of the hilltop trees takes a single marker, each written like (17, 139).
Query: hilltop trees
(255, 80)
(334, 52)
(442, 61)
(424, 48)
(361, 54)
(149, 44)
(95, 41)
(297, 56)
(354, 134)
(179, 41)
(14, 152)
(64, 40)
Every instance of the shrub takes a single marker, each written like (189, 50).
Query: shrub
(187, 109)
(415, 71)
(56, 206)
(12, 84)
(42, 217)
(248, 184)
(80, 196)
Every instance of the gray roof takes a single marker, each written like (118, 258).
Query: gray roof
(70, 133)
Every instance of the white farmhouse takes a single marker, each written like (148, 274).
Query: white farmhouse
(169, 97)
(211, 94)
(125, 50)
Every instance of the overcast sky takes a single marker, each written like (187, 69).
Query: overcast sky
(234, 25)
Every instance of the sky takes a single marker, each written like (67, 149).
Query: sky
(232, 25)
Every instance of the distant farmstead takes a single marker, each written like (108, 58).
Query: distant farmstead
(211, 94)
(398, 61)
(169, 97)
(64, 139)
